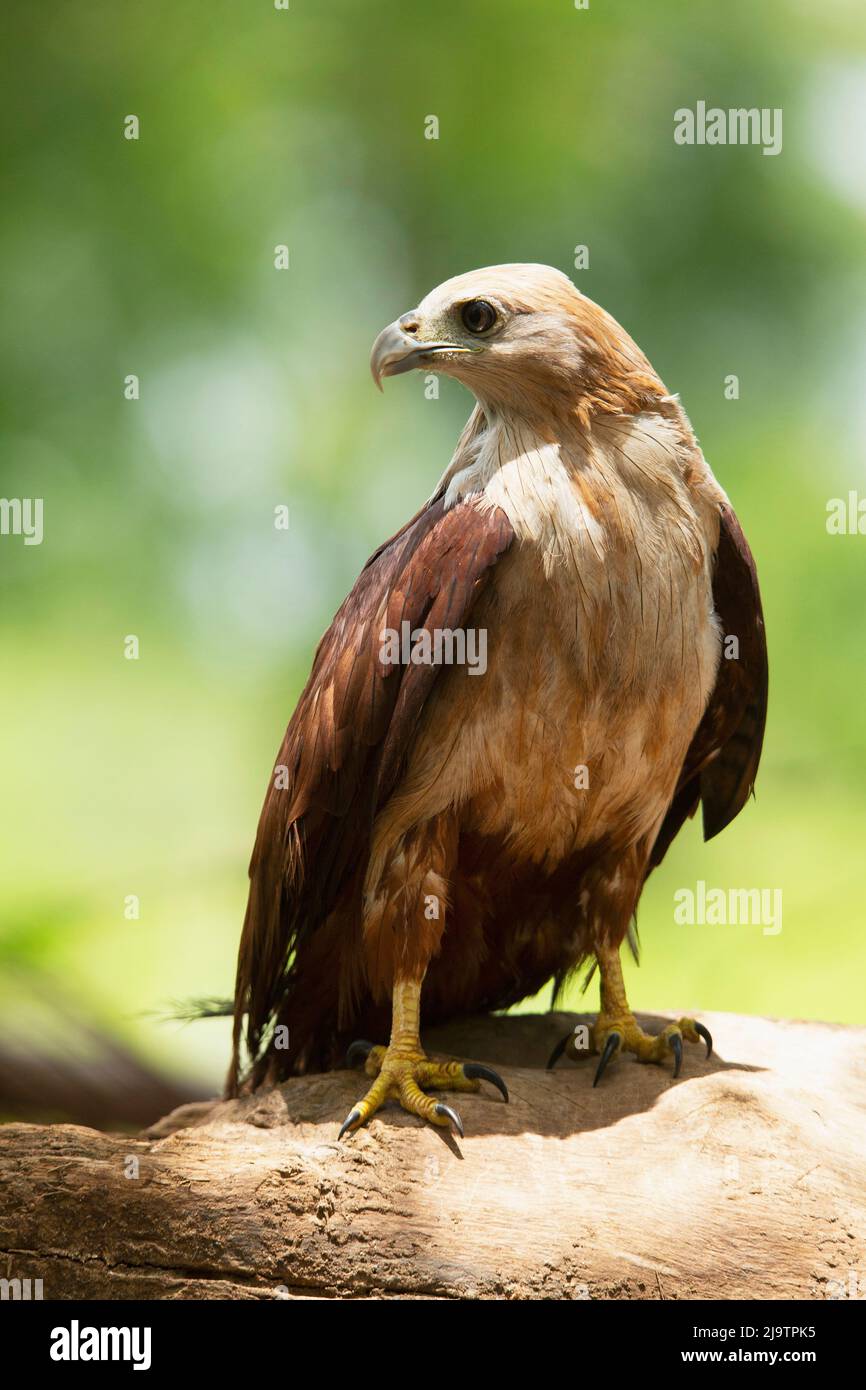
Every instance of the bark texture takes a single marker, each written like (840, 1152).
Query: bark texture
(743, 1179)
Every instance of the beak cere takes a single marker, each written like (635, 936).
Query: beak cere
(395, 351)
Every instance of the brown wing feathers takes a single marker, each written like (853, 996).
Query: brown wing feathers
(342, 755)
(722, 761)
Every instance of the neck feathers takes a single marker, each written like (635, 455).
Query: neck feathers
(586, 490)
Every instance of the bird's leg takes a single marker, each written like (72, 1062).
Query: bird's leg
(403, 1070)
(617, 1030)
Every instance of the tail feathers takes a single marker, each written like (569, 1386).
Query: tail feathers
(191, 1010)
(302, 1036)
(310, 1012)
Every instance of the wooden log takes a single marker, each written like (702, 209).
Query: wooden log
(744, 1179)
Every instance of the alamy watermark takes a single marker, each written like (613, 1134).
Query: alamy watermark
(846, 516)
(22, 516)
(852, 1287)
(438, 646)
(736, 126)
(77, 1343)
(20, 1290)
(729, 907)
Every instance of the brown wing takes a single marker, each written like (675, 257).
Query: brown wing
(722, 761)
(345, 747)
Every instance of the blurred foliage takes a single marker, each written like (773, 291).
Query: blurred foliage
(155, 257)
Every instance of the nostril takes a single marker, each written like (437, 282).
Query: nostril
(409, 324)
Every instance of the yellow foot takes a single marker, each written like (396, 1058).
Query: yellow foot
(402, 1073)
(622, 1033)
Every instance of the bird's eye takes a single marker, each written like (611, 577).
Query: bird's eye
(478, 316)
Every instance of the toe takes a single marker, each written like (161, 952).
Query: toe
(695, 1032)
(558, 1051)
(352, 1120)
(476, 1071)
(444, 1076)
(358, 1051)
(413, 1099)
(451, 1117)
(612, 1044)
(458, 1076)
(707, 1036)
(362, 1111)
(675, 1043)
(372, 1057)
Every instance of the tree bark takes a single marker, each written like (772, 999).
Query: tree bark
(744, 1179)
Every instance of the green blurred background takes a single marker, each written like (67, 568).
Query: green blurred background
(260, 127)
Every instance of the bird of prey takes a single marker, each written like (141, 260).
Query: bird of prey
(444, 835)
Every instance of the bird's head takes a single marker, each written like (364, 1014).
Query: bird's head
(524, 340)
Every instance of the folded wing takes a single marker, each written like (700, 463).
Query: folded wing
(347, 744)
(722, 761)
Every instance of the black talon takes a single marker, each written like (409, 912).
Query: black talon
(558, 1051)
(475, 1071)
(452, 1115)
(353, 1115)
(359, 1048)
(707, 1036)
(613, 1042)
(675, 1043)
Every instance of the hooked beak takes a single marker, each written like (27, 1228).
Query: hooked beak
(395, 351)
